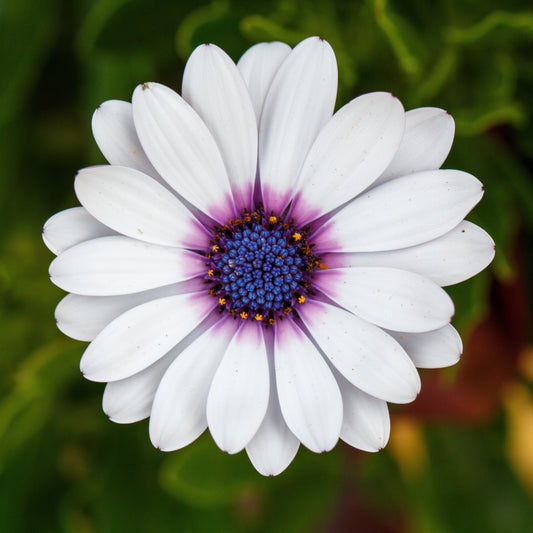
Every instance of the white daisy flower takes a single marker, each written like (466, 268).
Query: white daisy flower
(251, 263)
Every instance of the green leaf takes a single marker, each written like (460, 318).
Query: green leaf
(98, 16)
(401, 38)
(27, 30)
(38, 381)
(202, 475)
(511, 24)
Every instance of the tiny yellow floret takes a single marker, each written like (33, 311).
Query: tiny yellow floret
(297, 236)
(222, 301)
(273, 219)
(215, 248)
(301, 299)
(210, 272)
(243, 314)
(258, 316)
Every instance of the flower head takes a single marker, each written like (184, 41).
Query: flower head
(252, 263)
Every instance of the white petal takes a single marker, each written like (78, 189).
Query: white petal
(179, 410)
(142, 335)
(390, 298)
(350, 152)
(83, 317)
(457, 255)
(119, 265)
(258, 65)
(274, 446)
(114, 132)
(135, 205)
(402, 212)
(427, 142)
(366, 422)
(238, 397)
(309, 396)
(215, 89)
(364, 354)
(298, 104)
(182, 149)
(130, 400)
(434, 349)
(70, 227)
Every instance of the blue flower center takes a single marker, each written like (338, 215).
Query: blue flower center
(260, 267)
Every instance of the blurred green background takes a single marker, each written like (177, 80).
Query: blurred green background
(460, 458)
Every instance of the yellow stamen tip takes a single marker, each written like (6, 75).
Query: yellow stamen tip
(243, 314)
(215, 248)
(322, 266)
(301, 299)
(258, 317)
(297, 236)
(273, 219)
(222, 301)
(210, 272)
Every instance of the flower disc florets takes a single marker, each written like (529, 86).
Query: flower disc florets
(260, 266)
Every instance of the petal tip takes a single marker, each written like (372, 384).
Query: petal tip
(96, 112)
(227, 450)
(156, 441)
(142, 87)
(270, 470)
(204, 47)
(318, 40)
(232, 450)
(90, 374)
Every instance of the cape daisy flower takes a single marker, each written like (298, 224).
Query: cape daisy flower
(251, 263)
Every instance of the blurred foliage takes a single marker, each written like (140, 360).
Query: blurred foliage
(63, 465)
